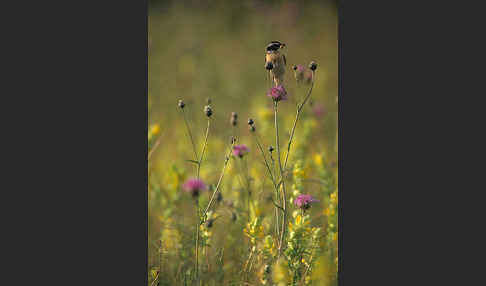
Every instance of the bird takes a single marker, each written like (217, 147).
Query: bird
(277, 58)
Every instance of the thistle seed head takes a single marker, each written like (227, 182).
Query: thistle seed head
(312, 66)
(208, 111)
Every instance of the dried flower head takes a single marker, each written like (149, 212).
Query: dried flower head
(312, 66)
(208, 111)
(304, 201)
(270, 149)
(278, 93)
(194, 187)
(181, 104)
(250, 121)
(240, 150)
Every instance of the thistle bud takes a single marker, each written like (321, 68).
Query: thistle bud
(252, 128)
(234, 119)
(313, 66)
(208, 111)
(268, 66)
(181, 104)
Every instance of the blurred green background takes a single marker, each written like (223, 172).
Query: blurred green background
(215, 49)
(201, 49)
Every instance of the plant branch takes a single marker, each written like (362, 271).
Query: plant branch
(203, 149)
(299, 109)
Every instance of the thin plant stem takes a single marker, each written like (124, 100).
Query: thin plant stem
(299, 110)
(190, 134)
(273, 182)
(219, 183)
(156, 144)
(196, 270)
(266, 162)
(284, 196)
(203, 149)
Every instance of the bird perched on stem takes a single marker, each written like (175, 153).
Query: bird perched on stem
(277, 59)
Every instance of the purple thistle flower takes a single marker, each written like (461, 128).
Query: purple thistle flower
(278, 93)
(304, 201)
(194, 187)
(240, 150)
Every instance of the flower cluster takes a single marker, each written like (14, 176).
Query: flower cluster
(194, 187)
(240, 150)
(278, 93)
(304, 201)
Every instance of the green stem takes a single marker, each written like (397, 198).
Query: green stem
(196, 267)
(284, 196)
(219, 183)
(203, 149)
(299, 110)
(190, 133)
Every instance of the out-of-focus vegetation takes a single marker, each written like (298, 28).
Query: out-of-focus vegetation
(215, 49)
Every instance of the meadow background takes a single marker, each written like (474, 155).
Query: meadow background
(215, 49)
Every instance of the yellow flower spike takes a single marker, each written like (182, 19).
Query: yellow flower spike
(298, 219)
(155, 129)
(335, 236)
(333, 197)
(327, 211)
(318, 159)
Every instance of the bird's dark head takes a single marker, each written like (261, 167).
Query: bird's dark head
(275, 46)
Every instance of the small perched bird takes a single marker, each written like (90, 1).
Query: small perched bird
(273, 55)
